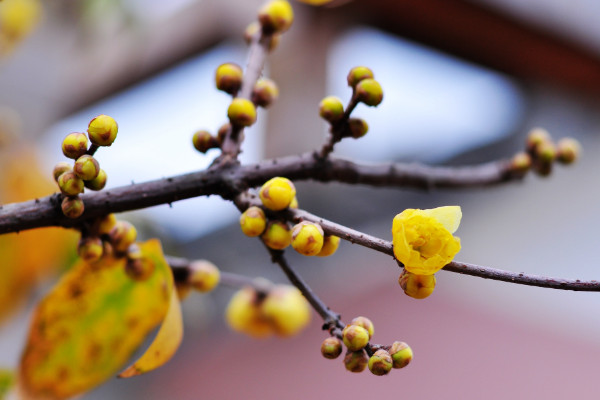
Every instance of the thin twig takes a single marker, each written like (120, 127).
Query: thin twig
(338, 128)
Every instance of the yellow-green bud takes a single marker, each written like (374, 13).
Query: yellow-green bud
(98, 182)
(228, 78)
(545, 152)
(277, 235)
(241, 112)
(365, 323)
(254, 30)
(276, 16)
(103, 130)
(103, 225)
(357, 74)
(416, 286)
(380, 363)
(331, 348)
(60, 169)
(204, 276)
(75, 145)
(401, 354)
(253, 221)
(138, 267)
(86, 167)
(90, 248)
(536, 137)
(569, 150)
(277, 193)
(70, 184)
(369, 91)
(204, 141)
(265, 92)
(330, 245)
(521, 162)
(357, 127)
(122, 235)
(356, 361)
(331, 109)
(307, 238)
(223, 130)
(72, 207)
(355, 337)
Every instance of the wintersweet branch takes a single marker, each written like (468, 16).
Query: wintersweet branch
(229, 180)
(385, 247)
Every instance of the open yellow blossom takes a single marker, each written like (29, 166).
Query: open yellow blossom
(423, 239)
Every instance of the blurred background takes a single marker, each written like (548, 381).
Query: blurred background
(463, 80)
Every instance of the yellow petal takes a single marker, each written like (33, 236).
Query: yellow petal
(164, 345)
(449, 216)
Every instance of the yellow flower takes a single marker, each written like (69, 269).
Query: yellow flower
(423, 239)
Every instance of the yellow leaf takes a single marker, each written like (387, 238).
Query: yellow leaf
(89, 325)
(28, 256)
(164, 345)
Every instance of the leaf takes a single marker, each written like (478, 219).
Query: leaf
(164, 345)
(89, 325)
(29, 256)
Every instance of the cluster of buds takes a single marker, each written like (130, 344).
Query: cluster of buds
(365, 89)
(85, 171)
(541, 153)
(277, 309)
(307, 238)
(108, 237)
(356, 337)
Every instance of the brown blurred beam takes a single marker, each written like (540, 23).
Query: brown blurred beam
(483, 36)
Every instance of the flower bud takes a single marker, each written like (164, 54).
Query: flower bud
(277, 193)
(75, 145)
(287, 310)
(86, 167)
(331, 109)
(90, 248)
(70, 184)
(228, 78)
(254, 30)
(103, 225)
(253, 221)
(138, 267)
(380, 363)
(204, 276)
(307, 238)
(401, 354)
(265, 92)
(536, 137)
(330, 245)
(545, 152)
(277, 235)
(102, 130)
(122, 235)
(243, 314)
(365, 323)
(72, 207)
(357, 127)
(569, 150)
(241, 112)
(276, 16)
(356, 361)
(355, 337)
(369, 91)
(357, 74)
(204, 141)
(60, 169)
(98, 182)
(416, 286)
(521, 163)
(331, 348)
